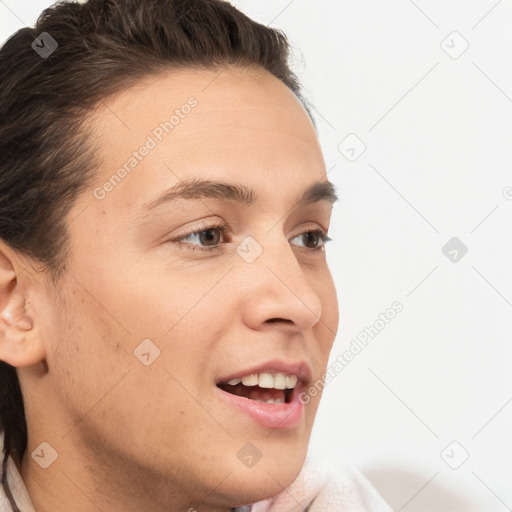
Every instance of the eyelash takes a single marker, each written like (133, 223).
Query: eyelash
(223, 227)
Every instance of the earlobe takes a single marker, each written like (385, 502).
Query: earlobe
(19, 344)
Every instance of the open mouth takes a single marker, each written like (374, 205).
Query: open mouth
(272, 388)
(269, 396)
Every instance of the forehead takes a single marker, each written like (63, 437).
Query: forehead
(239, 126)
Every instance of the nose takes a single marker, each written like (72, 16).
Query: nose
(278, 290)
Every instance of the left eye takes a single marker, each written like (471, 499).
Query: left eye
(209, 238)
(209, 235)
(315, 236)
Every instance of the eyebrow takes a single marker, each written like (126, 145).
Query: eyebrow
(195, 188)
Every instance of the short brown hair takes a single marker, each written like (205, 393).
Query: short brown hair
(103, 46)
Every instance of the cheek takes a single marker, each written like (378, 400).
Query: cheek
(146, 323)
(106, 386)
(89, 350)
(153, 302)
(87, 362)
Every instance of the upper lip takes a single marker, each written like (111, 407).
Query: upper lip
(299, 368)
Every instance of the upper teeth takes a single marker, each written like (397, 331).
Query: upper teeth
(267, 380)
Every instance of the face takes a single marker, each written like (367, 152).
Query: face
(167, 297)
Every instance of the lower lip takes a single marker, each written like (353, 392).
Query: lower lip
(283, 416)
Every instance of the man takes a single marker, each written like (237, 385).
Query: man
(165, 299)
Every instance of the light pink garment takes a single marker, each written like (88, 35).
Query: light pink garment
(325, 486)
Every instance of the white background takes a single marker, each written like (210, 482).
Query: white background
(437, 132)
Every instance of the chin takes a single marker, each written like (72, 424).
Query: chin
(269, 476)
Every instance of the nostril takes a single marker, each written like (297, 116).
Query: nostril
(274, 320)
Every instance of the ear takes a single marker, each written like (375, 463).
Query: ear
(20, 344)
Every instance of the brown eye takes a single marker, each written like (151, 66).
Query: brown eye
(314, 240)
(204, 238)
(209, 236)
